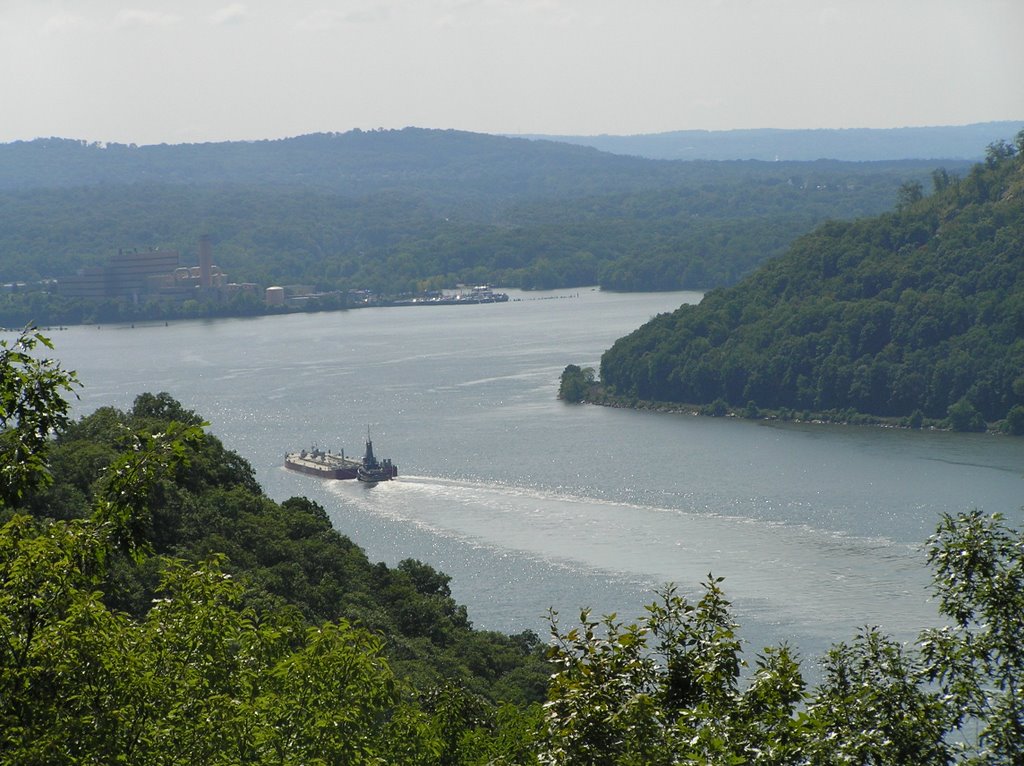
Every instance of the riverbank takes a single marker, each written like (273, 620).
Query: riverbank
(916, 421)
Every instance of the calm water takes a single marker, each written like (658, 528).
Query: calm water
(530, 503)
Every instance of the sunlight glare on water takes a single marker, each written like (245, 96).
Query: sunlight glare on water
(823, 575)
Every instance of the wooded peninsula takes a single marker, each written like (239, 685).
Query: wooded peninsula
(915, 315)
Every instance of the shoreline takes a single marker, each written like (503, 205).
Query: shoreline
(839, 418)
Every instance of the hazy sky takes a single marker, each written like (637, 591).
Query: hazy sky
(200, 70)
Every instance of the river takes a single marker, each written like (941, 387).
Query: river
(530, 503)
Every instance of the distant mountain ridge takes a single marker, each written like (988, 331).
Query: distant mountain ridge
(405, 210)
(959, 142)
(443, 162)
(353, 163)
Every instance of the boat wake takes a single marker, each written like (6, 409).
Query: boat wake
(805, 578)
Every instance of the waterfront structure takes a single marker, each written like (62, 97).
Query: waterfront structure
(135, 275)
(126, 275)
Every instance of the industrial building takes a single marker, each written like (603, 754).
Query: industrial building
(137, 275)
(126, 275)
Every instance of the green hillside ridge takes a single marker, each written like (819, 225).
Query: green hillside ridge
(451, 165)
(920, 310)
(403, 211)
(456, 164)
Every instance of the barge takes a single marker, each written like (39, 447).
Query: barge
(332, 465)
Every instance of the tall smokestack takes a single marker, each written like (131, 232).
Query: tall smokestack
(205, 262)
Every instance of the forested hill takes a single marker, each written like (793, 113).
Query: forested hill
(459, 164)
(453, 169)
(920, 309)
(411, 209)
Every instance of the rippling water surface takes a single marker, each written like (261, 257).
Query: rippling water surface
(530, 503)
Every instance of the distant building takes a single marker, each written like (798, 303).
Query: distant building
(131, 269)
(137, 275)
(274, 296)
(87, 283)
(237, 288)
(126, 275)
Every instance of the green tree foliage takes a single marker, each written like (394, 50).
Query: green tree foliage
(575, 383)
(666, 690)
(873, 708)
(978, 660)
(963, 416)
(32, 408)
(920, 309)
(199, 679)
(1015, 420)
(909, 194)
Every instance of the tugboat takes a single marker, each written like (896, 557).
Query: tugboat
(372, 470)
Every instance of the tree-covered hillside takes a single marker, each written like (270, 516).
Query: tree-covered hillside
(453, 168)
(450, 165)
(397, 211)
(920, 309)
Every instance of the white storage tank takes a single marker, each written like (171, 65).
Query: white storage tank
(274, 296)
